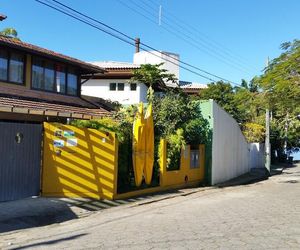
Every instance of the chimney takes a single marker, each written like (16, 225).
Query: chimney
(137, 45)
(2, 17)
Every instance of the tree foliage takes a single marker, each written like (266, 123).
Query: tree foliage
(278, 89)
(11, 32)
(178, 119)
(280, 84)
(154, 77)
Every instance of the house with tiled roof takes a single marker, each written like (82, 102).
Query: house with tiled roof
(38, 84)
(192, 88)
(114, 84)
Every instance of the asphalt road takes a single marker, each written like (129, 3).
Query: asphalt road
(264, 215)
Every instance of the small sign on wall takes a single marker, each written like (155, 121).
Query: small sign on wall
(72, 142)
(58, 133)
(58, 143)
(69, 133)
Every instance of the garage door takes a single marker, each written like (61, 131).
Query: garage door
(20, 151)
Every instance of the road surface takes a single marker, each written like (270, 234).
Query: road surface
(264, 215)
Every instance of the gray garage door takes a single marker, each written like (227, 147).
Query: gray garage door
(20, 160)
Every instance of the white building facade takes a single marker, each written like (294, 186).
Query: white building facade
(114, 85)
(116, 90)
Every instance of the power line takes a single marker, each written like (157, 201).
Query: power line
(187, 38)
(186, 26)
(109, 33)
(78, 16)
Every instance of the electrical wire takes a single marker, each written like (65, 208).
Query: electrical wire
(186, 37)
(78, 16)
(194, 31)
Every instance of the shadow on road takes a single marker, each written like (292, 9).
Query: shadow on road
(50, 242)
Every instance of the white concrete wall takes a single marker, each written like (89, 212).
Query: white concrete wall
(156, 57)
(230, 151)
(257, 155)
(100, 88)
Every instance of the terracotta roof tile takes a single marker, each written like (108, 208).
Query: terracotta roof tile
(50, 108)
(14, 43)
(112, 65)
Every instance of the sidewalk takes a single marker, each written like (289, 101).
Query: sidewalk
(255, 175)
(40, 211)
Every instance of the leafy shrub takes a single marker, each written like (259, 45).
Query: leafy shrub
(254, 132)
(175, 142)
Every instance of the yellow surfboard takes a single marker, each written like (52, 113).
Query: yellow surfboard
(138, 146)
(149, 156)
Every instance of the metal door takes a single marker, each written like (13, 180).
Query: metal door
(20, 160)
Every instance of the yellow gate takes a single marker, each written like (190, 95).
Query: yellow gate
(79, 162)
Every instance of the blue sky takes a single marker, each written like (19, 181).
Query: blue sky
(231, 38)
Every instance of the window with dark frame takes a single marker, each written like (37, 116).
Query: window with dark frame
(112, 86)
(54, 77)
(12, 66)
(116, 86)
(3, 65)
(60, 78)
(120, 86)
(133, 86)
(72, 82)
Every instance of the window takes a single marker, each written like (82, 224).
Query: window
(49, 76)
(11, 66)
(120, 86)
(16, 68)
(133, 86)
(37, 74)
(3, 65)
(194, 156)
(112, 86)
(60, 79)
(116, 86)
(72, 82)
(54, 77)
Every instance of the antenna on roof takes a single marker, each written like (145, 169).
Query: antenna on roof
(159, 15)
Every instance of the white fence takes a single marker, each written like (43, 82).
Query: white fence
(230, 150)
(257, 155)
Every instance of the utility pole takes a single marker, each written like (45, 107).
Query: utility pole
(267, 139)
(267, 142)
(286, 128)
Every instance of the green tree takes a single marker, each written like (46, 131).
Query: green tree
(11, 32)
(244, 84)
(221, 92)
(280, 84)
(178, 119)
(154, 77)
(242, 102)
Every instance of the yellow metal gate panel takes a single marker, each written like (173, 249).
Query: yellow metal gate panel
(79, 162)
(185, 175)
